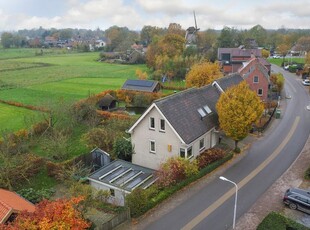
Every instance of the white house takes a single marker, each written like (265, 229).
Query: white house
(183, 124)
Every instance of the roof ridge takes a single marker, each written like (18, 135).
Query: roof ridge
(176, 94)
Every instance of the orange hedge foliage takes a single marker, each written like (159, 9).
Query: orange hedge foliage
(19, 104)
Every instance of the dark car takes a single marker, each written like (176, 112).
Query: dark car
(297, 198)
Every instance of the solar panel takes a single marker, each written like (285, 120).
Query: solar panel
(201, 112)
(207, 109)
(137, 180)
(140, 83)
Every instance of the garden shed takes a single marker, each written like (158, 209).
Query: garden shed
(108, 102)
(121, 178)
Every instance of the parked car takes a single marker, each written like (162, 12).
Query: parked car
(297, 198)
(306, 82)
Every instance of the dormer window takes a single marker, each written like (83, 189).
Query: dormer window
(152, 123)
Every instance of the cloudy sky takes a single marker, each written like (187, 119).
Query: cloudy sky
(134, 14)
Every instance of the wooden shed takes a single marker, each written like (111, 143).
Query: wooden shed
(108, 102)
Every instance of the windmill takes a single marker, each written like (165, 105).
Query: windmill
(191, 34)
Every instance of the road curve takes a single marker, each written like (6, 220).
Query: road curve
(267, 159)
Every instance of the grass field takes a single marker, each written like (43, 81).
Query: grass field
(278, 61)
(14, 118)
(57, 74)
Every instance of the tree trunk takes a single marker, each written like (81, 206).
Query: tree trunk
(236, 144)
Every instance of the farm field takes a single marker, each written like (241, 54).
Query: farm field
(15, 118)
(42, 80)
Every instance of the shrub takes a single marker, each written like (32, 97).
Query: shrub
(122, 148)
(276, 221)
(35, 196)
(39, 128)
(237, 150)
(174, 170)
(209, 156)
(139, 200)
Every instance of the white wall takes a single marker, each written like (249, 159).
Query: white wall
(118, 199)
(142, 136)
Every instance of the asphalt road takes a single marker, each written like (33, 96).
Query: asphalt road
(266, 160)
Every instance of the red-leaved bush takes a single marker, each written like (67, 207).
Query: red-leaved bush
(174, 170)
(209, 156)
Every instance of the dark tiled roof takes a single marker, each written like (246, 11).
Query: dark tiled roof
(140, 85)
(263, 61)
(237, 52)
(124, 175)
(181, 111)
(229, 80)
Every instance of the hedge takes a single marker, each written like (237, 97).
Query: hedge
(276, 221)
(138, 210)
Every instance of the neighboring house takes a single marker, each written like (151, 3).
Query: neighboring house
(142, 85)
(231, 59)
(257, 77)
(121, 178)
(100, 43)
(11, 204)
(183, 124)
(108, 102)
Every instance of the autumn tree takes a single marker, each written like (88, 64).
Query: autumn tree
(277, 81)
(59, 214)
(238, 108)
(265, 53)
(203, 74)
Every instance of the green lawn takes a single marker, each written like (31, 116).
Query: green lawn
(42, 80)
(278, 61)
(15, 118)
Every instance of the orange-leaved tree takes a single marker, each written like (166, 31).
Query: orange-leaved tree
(59, 214)
(203, 74)
(238, 108)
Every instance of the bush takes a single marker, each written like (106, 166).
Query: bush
(122, 148)
(174, 170)
(35, 196)
(153, 195)
(237, 150)
(140, 200)
(276, 221)
(209, 156)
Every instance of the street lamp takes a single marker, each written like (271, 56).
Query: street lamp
(235, 208)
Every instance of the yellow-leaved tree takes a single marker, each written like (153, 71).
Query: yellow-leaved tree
(203, 73)
(238, 108)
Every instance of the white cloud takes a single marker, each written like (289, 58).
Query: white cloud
(134, 14)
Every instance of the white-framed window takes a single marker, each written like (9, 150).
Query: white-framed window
(152, 123)
(152, 146)
(182, 152)
(162, 125)
(189, 152)
(255, 79)
(260, 92)
(202, 143)
(186, 153)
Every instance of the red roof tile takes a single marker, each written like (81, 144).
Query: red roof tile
(12, 202)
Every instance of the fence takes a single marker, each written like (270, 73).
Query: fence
(115, 221)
